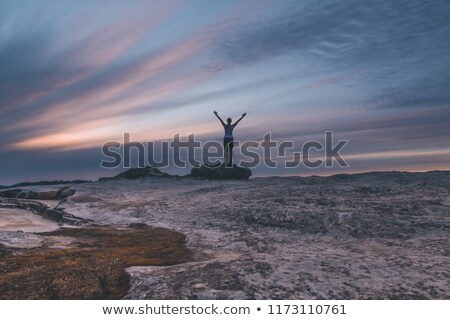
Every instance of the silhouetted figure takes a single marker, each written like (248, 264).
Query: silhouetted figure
(228, 138)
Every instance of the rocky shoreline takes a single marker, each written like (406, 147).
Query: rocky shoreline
(363, 236)
(82, 259)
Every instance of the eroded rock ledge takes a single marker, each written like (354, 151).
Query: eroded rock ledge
(43, 210)
(20, 193)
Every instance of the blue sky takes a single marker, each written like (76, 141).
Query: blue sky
(75, 74)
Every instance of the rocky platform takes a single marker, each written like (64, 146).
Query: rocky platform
(365, 236)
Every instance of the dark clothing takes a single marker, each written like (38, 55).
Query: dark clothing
(228, 151)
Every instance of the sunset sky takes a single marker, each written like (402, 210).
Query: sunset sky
(75, 74)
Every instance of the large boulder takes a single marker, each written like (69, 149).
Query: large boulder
(136, 173)
(221, 172)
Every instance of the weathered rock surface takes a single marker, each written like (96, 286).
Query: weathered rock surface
(364, 236)
(221, 172)
(91, 264)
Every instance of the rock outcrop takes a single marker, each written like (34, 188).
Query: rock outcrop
(44, 183)
(136, 173)
(221, 172)
(36, 207)
(58, 194)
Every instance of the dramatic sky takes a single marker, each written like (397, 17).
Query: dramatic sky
(75, 74)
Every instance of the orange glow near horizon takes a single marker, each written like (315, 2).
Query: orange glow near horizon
(77, 75)
(91, 104)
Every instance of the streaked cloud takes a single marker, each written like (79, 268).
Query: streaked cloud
(75, 76)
